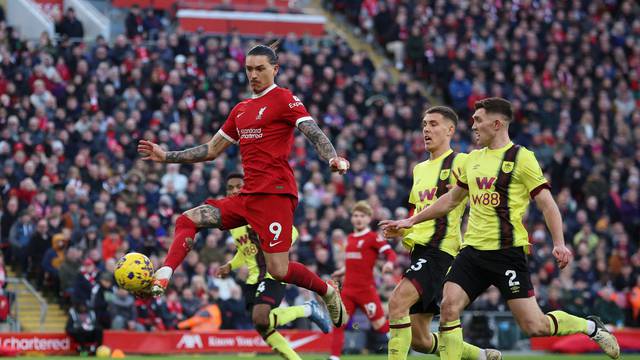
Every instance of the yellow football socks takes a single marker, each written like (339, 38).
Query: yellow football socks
(451, 347)
(280, 345)
(281, 316)
(400, 338)
(561, 323)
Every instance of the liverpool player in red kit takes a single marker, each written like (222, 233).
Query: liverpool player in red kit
(359, 288)
(263, 127)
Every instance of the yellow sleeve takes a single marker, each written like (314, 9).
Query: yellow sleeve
(237, 261)
(458, 166)
(530, 173)
(460, 170)
(406, 238)
(294, 235)
(412, 196)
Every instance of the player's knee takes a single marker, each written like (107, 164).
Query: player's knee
(277, 270)
(449, 309)
(185, 221)
(397, 308)
(261, 321)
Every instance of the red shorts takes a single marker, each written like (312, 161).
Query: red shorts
(366, 299)
(270, 216)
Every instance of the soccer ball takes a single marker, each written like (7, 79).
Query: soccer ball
(134, 272)
(103, 351)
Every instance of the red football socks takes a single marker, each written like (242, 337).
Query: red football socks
(298, 274)
(337, 341)
(183, 240)
(384, 328)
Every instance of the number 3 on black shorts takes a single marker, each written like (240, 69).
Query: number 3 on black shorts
(418, 265)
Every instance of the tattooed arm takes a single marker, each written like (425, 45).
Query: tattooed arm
(323, 146)
(205, 216)
(319, 140)
(204, 152)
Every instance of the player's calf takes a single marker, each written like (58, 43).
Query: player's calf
(402, 298)
(449, 310)
(535, 326)
(260, 318)
(398, 307)
(422, 343)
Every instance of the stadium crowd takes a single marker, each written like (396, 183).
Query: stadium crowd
(75, 195)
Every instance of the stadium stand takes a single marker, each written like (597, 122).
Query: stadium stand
(71, 114)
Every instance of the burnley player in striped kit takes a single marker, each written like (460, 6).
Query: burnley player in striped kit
(499, 179)
(433, 245)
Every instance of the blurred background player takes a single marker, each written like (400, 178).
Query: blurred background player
(263, 294)
(433, 245)
(359, 288)
(263, 126)
(499, 179)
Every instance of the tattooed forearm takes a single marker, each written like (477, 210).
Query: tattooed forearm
(191, 155)
(205, 216)
(209, 151)
(320, 141)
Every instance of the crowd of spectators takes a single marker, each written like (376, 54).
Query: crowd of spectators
(75, 195)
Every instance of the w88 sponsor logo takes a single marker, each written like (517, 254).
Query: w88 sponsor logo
(486, 199)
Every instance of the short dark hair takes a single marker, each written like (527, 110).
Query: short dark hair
(496, 105)
(266, 50)
(445, 111)
(234, 175)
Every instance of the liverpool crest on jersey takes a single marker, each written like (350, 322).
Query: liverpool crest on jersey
(260, 112)
(444, 174)
(507, 166)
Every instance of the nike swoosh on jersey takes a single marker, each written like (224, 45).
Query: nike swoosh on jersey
(272, 244)
(237, 116)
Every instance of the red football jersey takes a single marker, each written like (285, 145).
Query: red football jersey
(263, 127)
(361, 253)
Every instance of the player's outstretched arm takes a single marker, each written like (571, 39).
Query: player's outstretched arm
(553, 218)
(323, 146)
(204, 152)
(440, 208)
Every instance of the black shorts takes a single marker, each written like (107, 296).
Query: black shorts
(267, 291)
(475, 270)
(428, 269)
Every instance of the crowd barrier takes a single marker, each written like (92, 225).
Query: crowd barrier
(248, 341)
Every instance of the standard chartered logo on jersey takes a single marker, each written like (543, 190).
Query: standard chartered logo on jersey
(254, 133)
